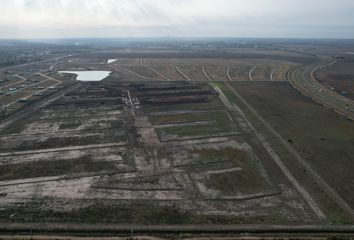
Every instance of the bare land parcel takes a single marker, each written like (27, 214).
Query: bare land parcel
(154, 155)
(174, 137)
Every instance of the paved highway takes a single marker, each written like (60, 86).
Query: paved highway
(303, 79)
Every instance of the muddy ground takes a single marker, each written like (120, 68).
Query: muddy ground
(132, 161)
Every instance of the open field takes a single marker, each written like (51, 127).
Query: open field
(339, 77)
(181, 125)
(317, 134)
(178, 136)
(140, 161)
(216, 69)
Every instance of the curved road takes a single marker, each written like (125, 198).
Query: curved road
(303, 79)
(206, 74)
(250, 73)
(228, 73)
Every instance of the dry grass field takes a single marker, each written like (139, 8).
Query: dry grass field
(323, 138)
(216, 69)
(169, 138)
(339, 77)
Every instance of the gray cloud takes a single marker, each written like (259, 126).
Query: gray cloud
(183, 18)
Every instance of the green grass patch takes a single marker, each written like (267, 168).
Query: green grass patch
(70, 125)
(179, 118)
(219, 116)
(53, 168)
(248, 181)
(214, 104)
(223, 124)
(109, 212)
(197, 130)
(227, 91)
(216, 155)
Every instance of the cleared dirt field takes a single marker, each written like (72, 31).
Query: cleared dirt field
(168, 72)
(240, 72)
(217, 72)
(228, 54)
(78, 64)
(176, 69)
(190, 134)
(261, 73)
(171, 153)
(144, 71)
(194, 72)
(323, 138)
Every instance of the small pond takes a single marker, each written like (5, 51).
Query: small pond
(88, 76)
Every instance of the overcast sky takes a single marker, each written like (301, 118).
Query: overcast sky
(176, 18)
